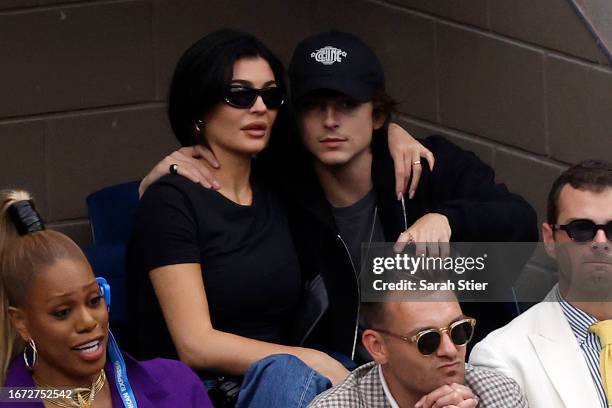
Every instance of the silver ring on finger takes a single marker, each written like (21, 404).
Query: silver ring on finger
(416, 162)
(173, 168)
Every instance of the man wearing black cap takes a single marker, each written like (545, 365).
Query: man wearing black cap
(339, 183)
(338, 90)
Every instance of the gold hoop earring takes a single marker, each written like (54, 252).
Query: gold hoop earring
(30, 366)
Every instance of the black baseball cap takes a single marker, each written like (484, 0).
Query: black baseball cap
(337, 61)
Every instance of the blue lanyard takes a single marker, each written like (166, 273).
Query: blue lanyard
(121, 380)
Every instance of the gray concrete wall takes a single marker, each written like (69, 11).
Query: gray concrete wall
(83, 83)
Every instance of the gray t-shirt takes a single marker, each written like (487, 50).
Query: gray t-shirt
(356, 224)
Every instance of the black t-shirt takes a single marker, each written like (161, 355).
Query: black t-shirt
(359, 225)
(249, 265)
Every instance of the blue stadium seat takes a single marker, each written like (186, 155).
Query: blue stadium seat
(111, 212)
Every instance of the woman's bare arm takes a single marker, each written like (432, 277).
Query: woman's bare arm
(182, 296)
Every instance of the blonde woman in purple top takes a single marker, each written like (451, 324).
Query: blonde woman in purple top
(54, 329)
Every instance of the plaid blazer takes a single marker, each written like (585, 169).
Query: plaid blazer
(363, 389)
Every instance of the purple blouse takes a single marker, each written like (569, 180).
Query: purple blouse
(157, 383)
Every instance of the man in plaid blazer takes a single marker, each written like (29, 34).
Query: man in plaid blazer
(419, 361)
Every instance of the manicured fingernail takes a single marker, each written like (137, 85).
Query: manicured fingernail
(411, 195)
(399, 196)
(216, 185)
(217, 165)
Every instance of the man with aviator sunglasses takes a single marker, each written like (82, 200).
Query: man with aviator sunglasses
(419, 361)
(559, 350)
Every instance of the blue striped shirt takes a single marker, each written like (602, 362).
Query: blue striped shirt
(589, 342)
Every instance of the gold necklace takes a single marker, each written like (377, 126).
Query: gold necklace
(81, 397)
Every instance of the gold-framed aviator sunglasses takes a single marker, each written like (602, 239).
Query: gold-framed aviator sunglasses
(428, 341)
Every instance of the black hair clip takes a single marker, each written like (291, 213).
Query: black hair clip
(25, 217)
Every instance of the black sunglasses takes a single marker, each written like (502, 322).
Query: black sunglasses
(428, 341)
(243, 97)
(585, 230)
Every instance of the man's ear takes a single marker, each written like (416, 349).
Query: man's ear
(19, 321)
(378, 120)
(548, 236)
(375, 344)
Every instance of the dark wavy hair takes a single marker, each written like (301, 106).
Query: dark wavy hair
(591, 175)
(383, 105)
(203, 72)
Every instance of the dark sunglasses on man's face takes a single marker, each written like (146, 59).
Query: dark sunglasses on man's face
(585, 230)
(428, 341)
(243, 97)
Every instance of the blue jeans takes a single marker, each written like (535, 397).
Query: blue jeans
(280, 380)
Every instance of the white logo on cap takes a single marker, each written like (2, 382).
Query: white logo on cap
(328, 55)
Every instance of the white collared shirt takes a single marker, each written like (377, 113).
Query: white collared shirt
(390, 398)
